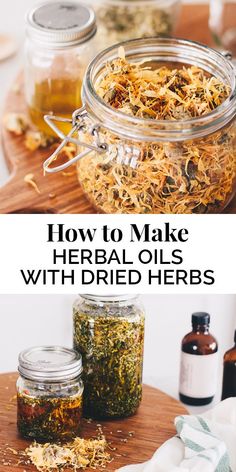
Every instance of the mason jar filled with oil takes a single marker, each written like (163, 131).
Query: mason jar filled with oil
(59, 45)
(49, 393)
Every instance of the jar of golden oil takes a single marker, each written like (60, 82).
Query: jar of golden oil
(60, 43)
(49, 393)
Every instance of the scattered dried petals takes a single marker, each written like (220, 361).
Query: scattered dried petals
(78, 454)
(29, 179)
(36, 139)
(16, 123)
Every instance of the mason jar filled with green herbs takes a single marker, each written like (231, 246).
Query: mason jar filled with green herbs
(109, 333)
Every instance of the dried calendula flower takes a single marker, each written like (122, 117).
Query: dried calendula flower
(159, 94)
(29, 179)
(69, 151)
(36, 139)
(78, 454)
(16, 123)
(12, 450)
(189, 176)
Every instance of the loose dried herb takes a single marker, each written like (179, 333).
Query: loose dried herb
(192, 176)
(36, 139)
(110, 340)
(29, 179)
(16, 123)
(78, 454)
(128, 21)
(163, 93)
(47, 419)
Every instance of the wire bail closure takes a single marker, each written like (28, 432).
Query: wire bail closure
(123, 153)
(77, 122)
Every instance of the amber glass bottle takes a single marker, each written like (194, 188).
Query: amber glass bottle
(229, 377)
(199, 363)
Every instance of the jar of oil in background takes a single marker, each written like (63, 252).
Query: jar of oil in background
(59, 45)
(222, 22)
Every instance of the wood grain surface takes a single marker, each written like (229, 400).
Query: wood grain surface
(151, 426)
(60, 193)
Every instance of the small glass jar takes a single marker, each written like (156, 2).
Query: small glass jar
(109, 333)
(128, 164)
(49, 393)
(59, 45)
(222, 23)
(120, 20)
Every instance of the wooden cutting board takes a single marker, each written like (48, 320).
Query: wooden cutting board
(60, 193)
(151, 427)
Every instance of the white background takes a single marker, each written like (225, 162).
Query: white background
(33, 320)
(23, 245)
(12, 22)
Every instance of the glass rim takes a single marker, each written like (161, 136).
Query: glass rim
(132, 3)
(105, 298)
(197, 125)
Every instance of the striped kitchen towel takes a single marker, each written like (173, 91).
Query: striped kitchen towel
(203, 450)
(204, 443)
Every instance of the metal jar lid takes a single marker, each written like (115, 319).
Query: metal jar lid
(50, 363)
(61, 24)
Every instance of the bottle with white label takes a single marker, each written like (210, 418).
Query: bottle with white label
(199, 363)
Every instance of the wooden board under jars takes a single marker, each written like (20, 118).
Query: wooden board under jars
(150, 427)
(60, 193)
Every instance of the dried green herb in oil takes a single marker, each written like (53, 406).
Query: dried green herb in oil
(47, 419)
(111, 344)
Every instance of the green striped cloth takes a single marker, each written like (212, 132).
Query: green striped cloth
(203, 451)
(204, 443)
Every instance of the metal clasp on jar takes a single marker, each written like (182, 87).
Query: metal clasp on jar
(124, 154)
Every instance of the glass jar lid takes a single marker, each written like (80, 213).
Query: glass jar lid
(50, 363)
(61, 24)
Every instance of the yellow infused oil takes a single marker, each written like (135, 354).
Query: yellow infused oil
(58, 97)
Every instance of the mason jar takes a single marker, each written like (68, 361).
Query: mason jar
(49, 393)
(59, 45)
(109, 333)
(128, 164)
(222, 22)
(120, 20)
